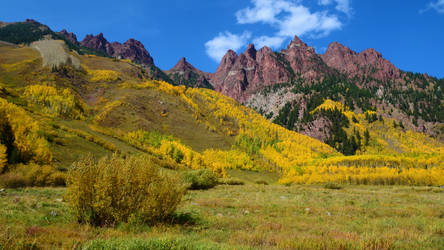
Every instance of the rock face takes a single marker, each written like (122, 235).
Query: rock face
(95, 42)
(131, 49)
(368, 63)
(186, 74)
(240, 76)
(70, 36)
(304, 61)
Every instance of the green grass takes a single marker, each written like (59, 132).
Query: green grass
(243, 217)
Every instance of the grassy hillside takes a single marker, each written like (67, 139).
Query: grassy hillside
(112, 106)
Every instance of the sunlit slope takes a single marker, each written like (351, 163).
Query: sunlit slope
(116, 98)
(111, 106)
(389, 154)
(385, 136)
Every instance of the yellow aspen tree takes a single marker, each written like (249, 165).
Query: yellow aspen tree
(3, 157)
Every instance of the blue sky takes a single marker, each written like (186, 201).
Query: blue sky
(408, 33)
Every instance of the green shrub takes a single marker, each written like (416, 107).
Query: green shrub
(231, 181)
(332, 185)
(261, 182)
(114, 190)
(201, 179)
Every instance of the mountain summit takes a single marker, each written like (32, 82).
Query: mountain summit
(367, 63)
(131, 49)
(183, 73)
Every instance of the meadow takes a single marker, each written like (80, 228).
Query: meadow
(249, 216)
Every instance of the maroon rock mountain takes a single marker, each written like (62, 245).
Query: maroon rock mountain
(240, 76)
(131, 49)
(183, 73)
(367, 63)
(70, 36)
(96, 42)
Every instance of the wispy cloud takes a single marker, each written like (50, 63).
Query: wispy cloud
(437, 5)
(218, 46)
(273, 42)
(289, 19)
(341, 5)
(286, 17)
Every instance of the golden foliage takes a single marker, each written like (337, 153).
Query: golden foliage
(32, 175)
(17, 66)
(109, 107)
(296, 156)
(258, 136)
(365, 175)
(172, 149)
(102, 75)
(25, 130)
(58, 102)
(232, 159)
(3, 158)
(330, 105)
(394, 161)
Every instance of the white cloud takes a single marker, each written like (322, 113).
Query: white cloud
(301, 21)
(273, 42)
(287, 17)
(344, 6)
(218, 46)
(438, 6)
(264, 11)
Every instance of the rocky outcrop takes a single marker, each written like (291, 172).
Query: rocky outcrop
(98, 42)
(69, 36)
(131, 49)
(368, 63)
(304, 61)
(240, 76)
(183, 73)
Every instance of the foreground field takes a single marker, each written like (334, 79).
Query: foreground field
(252, 216)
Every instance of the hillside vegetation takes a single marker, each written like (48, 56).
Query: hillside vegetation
(111, 105)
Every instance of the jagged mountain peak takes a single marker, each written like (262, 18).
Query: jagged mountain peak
(183, 65)
(184, 73)
(296, 43)
(367, 63)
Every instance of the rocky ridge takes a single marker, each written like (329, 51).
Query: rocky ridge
(240, 76)
(131, 49)
(183, 73)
